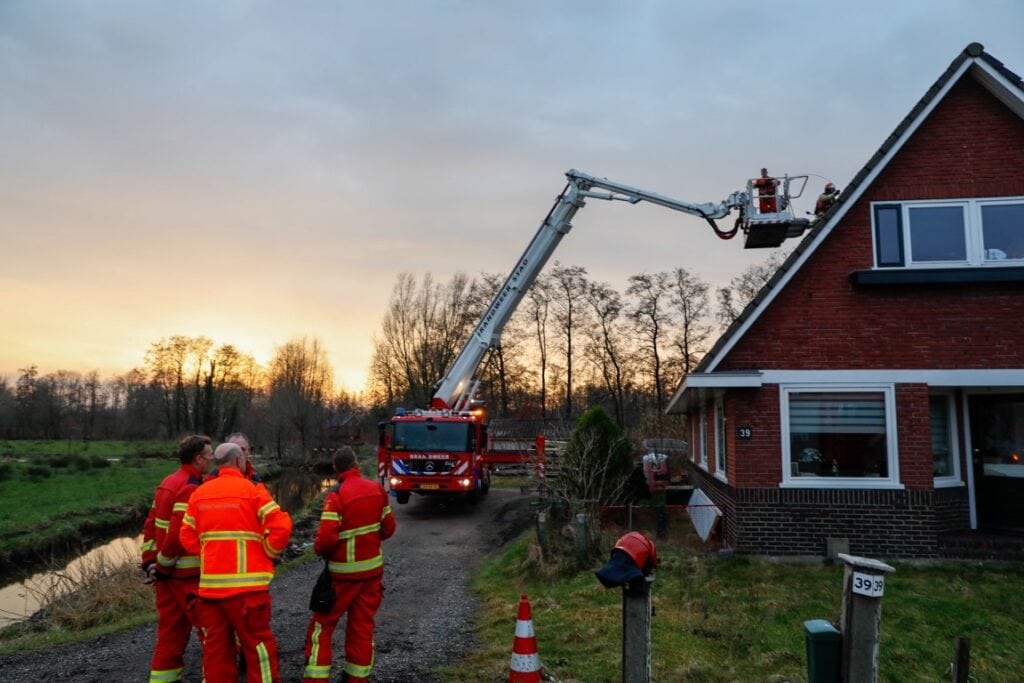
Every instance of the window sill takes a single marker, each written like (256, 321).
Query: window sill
(909, 276)
(836, 483)
(720, 476)
(948, 483)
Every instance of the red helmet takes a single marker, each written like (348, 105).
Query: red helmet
(640, 549)
(829, 187)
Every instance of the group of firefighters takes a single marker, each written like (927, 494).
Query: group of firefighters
(210, 545)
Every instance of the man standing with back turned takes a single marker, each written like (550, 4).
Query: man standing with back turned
(238, 530)
(355, 519)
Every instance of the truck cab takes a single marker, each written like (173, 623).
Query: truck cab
(434, 452)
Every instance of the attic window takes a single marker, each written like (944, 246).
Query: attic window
(964, 233)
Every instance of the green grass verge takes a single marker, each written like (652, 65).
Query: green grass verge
(37, 511)
(740, 619)
(102, 448)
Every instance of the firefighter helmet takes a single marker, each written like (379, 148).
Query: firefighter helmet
(640, 549)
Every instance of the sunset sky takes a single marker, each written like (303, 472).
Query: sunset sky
(257, 171)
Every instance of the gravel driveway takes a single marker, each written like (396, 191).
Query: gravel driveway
(421, 624)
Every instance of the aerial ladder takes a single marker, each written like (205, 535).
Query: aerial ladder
(459, 385)
(443, 449)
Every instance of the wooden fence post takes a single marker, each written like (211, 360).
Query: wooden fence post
(961, 659)
(542, 535)
(582, 541)
(860, 621)
(636, 633)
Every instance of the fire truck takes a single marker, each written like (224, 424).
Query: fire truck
(443, 449)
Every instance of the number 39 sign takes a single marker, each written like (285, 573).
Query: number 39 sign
(871, 585)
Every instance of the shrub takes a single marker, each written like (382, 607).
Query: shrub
(80, 463)
(59, 461)
(597, 461)
(37, 472)
(99, 462)
(6, 471)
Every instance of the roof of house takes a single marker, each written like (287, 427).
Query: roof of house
(989, 71)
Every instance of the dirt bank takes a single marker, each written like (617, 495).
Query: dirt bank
(422, 623)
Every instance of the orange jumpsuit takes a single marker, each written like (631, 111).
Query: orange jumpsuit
(177, 581)
(767, 190)
(238, 531)
(355, 519)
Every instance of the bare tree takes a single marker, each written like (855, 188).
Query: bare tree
(300, 380)
(7, 410)
(652, 318)
(423, 329)
(569, 288)
(743, 288)
(608, 349)
(175, 365)
(689, 297)
(538, 307)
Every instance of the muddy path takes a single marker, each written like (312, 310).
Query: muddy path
(423, 621)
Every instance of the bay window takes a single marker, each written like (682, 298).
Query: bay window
(838, 437)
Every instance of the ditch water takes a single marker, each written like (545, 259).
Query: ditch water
(293, 489)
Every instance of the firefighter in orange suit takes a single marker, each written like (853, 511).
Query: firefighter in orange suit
(767, 192)
(174, 572)
(355, 519)
(238, 531)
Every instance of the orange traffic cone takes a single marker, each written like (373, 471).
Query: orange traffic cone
(525, 661)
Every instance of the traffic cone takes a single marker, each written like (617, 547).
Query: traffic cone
(525, 661)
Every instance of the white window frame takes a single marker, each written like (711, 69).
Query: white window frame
(703, 437)
(892, 452)
(721, 447)
(952, 479)
(974, 236)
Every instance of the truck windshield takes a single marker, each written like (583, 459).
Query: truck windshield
(432, 436)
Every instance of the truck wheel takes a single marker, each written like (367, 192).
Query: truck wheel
(402, 497)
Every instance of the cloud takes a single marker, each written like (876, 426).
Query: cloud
(268, 161)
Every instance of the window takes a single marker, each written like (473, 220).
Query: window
(943, 432)
(1003, 231)
(703, 438)
(966, 233)
(433, 436)
(889, 235)
(721, 457)
(839, 437)
(937, 233)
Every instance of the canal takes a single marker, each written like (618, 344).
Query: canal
(293, 489)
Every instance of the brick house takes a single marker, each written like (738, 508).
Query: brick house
(874, 389)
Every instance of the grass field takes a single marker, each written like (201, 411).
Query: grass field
(106, 449)
(740, 619)
(50, 491)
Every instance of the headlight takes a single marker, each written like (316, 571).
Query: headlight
(465, 483)
(395, 481)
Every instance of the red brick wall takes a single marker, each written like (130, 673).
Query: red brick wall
(913, 427)
(757, 462)
(971, 146)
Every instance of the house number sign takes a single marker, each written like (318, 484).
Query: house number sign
(871, 585)
(744, 433)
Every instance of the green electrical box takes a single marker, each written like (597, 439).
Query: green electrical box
(824, 645)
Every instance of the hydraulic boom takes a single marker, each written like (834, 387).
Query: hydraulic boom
(456, 389)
